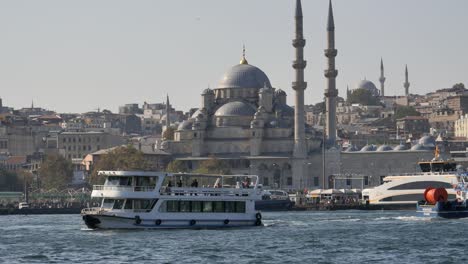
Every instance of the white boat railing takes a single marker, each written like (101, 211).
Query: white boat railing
(123, 188)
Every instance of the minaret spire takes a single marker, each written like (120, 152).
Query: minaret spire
(406, 84)
(382, 79)
(168, 110)
(299, 85)
(331, 21)
(331, 92)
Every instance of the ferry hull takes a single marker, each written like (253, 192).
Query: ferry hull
(116, 222)
(443, 210)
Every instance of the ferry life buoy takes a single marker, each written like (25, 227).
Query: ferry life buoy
(137, 220)
(192, 222)
(226, 222)
(158, 222)
(258, 216)
(258, 222)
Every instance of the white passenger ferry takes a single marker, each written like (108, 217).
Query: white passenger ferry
(141, 199)
(404, 191)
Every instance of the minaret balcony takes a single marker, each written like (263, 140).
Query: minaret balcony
(331, 53)
(298, 43)
(331, 73)
(382, 79)
(299, 85)
(299, 64)
(331, 93)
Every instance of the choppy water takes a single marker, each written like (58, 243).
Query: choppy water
(293, 237)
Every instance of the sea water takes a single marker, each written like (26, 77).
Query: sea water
(286, 237)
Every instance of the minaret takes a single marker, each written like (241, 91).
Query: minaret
(331, 92)
(299, 86)
(382, 79)
(168, 110)
(406, 84)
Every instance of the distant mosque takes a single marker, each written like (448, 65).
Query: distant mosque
(372, 89)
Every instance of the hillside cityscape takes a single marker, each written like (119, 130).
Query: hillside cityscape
(243, 125)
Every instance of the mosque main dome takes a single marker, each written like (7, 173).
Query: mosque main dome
(244, 76)
(367, 85)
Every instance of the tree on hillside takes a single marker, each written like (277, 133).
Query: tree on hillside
(177, 166)
(213, 166)
(460, 86)
(120, 158)
(168, 134)
(363, 97)
(403, 111)
(56, 172)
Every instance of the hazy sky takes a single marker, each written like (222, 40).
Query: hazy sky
(76, 56)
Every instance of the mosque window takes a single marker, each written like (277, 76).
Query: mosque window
(289, 181)
(195, 134)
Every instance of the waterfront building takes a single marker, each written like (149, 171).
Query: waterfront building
(461, 127)
(417, 126)
(76, 145)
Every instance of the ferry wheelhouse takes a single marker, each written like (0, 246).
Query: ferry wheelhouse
(141, 199)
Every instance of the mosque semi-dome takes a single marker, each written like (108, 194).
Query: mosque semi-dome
(351, 149)
(418, 147)
(236, 108)
(400, 148)
(244, 76)
(384, 148)
(368, 148)
(427, 141)
(185, 125)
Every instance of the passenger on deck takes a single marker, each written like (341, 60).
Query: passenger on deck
(194, 183)
(169, 184)
(179, 183)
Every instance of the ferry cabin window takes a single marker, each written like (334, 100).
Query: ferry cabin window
(184, 206)
(240, 207)
(421, 185)
(118, 204)
(146, 181)
(218, 207)
(197, 206)
(172, 206)
(107, 203)
(128, 204)
(230, 207)
(205, 207)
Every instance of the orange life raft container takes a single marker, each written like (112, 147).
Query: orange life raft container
(434, 195)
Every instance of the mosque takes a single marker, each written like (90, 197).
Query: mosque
(246, 122)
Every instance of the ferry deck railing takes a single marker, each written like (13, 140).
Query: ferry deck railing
(184, 191)
(174, 191)
(123, 188)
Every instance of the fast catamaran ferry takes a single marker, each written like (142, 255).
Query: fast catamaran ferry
(141, 199)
